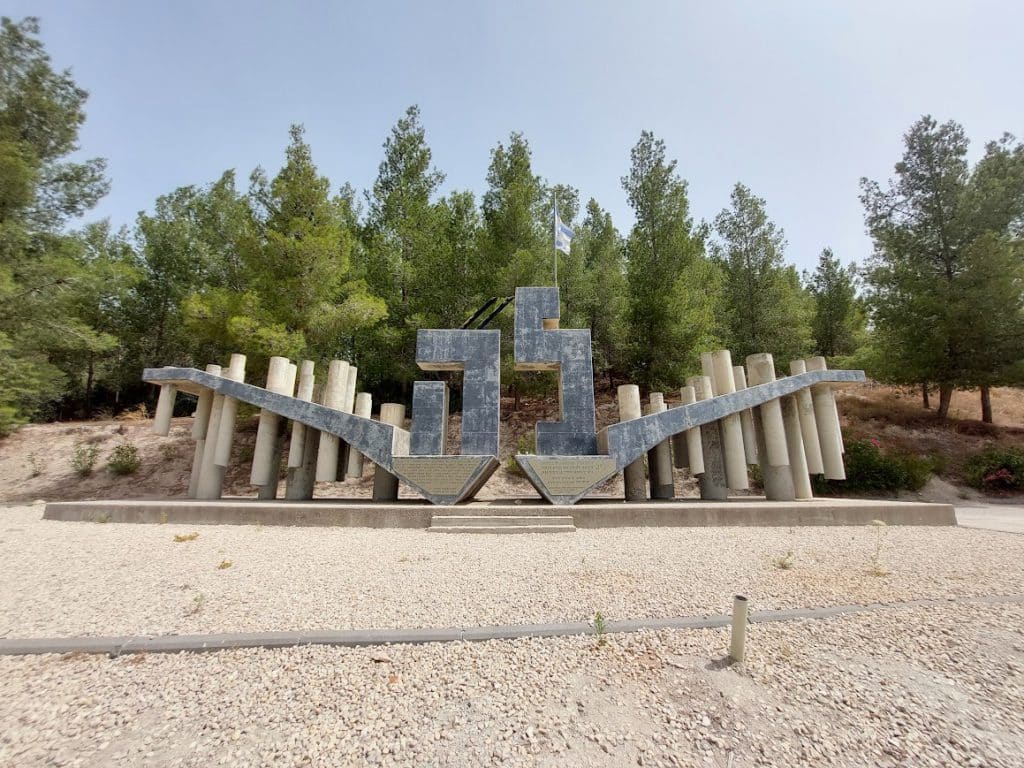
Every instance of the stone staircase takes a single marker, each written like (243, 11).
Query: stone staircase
(490, 522)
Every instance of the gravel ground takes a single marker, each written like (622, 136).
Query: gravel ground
(903, 687)
(94, 579)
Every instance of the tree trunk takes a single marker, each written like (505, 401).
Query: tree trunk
(88, 391)
(924, 395)
(945, 397)
(986, 404)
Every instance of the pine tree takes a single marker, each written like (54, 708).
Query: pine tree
(838, 320)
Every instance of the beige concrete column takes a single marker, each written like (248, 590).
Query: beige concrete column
(164, 409)
(334, 397)
(746, 418)
(211, 474)
(723, 383)
(269, 489)
(694, 449)
(808, 427)
(226, 433)
(348, 406)
(634, 482)
(826, 417)
(712, 482)
(363, 407)
(200, 425)
(307, 379)
(659, 458)
(772, 450)
(266, 432)
(795, 444)
(385, 484)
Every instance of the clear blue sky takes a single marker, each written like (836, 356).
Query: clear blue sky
(796, 99)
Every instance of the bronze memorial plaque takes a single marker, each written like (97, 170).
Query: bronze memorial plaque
(571, 475)
(437, 475)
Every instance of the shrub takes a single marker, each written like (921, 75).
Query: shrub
(84, 459)
(996, 469)
(869, 469)
(124, 460)
(524, 445)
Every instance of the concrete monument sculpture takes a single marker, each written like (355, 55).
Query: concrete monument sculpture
(729, 417)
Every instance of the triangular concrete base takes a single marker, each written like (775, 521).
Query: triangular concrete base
(566, 479)
(445, 479)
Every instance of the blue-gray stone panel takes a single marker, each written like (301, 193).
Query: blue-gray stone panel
(567, 351)
(478, 355)
(429, 426)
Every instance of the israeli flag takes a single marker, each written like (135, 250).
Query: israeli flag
(563, 235)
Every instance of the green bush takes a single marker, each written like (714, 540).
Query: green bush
(869, 469)
(523, 445)
(84, 459)
(996, 469)
(124, 460)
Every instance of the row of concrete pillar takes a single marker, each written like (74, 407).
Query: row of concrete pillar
(312, 455)
(790, 438)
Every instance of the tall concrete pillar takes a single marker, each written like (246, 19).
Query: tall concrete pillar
(723, 383)
(226, 434)
(773, 452)
(284, 385)
(334, 397)
(808, 427)
(348, 406)
(363, 407)
(694, 449)
(300, 433)
(659, 458)
(826, 417)
(385, 484)
(713, 486)
(634, 482)
(746, 418)
(211, 474)
(302, 478)
(266, 433)
(795, 444)
(200, 425)
(164, 409)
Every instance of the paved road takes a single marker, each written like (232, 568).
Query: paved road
(995, 517)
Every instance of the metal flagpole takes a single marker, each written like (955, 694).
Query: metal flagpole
(555, 241)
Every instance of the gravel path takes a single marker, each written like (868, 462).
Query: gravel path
(94, 579)
(921, 687)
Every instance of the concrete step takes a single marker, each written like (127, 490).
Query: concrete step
(501, 524)
(501, 529)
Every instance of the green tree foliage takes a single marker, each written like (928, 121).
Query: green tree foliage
(838, 323)
(57, 290)
(944, 282)
(765, 307)
(673, 291)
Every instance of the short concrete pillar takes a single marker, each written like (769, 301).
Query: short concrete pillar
(385, 484)
(808, 427)
(723, 383)
(634, 482)
(307, 379)
(713, 486)
(795, 444)
(746, 418)
(826, 417)
(164, 409)
(363, 408)
(301, 480)
(659, 458)
(694, 449)
(263, 469)
(226, 433)
(334, 397)
(771, 434)
(200, 424)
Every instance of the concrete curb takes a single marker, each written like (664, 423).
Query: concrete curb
(116, 646)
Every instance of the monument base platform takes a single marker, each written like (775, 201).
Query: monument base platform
(590, 513)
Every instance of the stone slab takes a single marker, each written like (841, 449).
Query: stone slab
(445, 479)
(591, 513)
(566, 479)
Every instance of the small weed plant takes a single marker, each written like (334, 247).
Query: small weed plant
(186, 537)
(35, 462)
(600, 627)
(198, 601)
(124, 460)
(785, 562)
(84, 459)
(523, 445)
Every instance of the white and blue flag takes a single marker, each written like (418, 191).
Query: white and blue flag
(563, 235)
